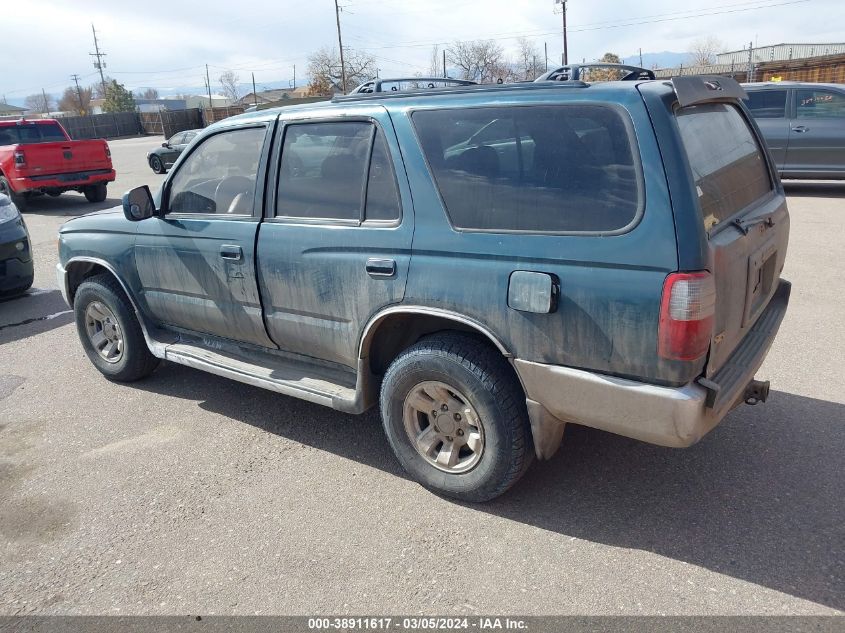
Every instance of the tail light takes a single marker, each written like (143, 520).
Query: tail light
(108, 151)
(686, 316)
(20, 159)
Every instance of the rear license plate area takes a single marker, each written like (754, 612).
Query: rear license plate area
(761, 281)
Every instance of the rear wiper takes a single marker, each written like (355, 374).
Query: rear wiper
(745, 225)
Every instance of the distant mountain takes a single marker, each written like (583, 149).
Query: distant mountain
(665, 59)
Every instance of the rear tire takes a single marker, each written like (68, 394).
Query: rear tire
(110, 332)
(20, 200)
(95, 193)
(462, 391)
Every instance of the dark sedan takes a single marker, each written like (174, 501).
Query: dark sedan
(16, 267)
(162, 158)
(804, 127)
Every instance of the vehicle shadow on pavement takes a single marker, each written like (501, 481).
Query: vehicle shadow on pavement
(31, 314)
(805, 189)
(759, 499)
(67, 204)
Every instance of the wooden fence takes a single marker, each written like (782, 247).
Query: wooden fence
(102, 125)
(169, 122)
(212, 115)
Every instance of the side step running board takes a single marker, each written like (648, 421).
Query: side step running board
(312, 382)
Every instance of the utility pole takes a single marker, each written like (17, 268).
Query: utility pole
(444, 64)
(749, 77)
(294, 76)
(46, 105)
(254, 96)
(99, 64)
(641, 58)
(208, 87)
(546, 52)
(340, 44)
(75, 78)
(562, 4)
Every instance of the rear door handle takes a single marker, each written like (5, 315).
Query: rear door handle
(800, 128)
(231, 252)
(381, 268)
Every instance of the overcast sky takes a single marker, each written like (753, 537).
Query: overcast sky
(167, 44)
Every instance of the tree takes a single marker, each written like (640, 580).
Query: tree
(480, 60)
(150, 93)
(229, 83)
(325, 75)
(97, 88)
(39, 102)
(435, 66)
(605, 74)
(702, 52)
(118, 98)
(76, 101)
(529, 63)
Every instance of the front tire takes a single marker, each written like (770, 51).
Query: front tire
(110, 332)
(95, 193)
(455, 416)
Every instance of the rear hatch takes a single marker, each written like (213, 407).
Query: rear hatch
(744, 214)
(46, 151)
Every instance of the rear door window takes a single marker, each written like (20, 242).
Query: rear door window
(820, 104)
(767, 104)
(727, 163)
(539, 169)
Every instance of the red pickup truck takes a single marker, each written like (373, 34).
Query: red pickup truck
(37, 156)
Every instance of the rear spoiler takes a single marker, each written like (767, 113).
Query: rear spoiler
(703, 88)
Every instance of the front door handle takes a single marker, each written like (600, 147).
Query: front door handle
(381, 268)
(231, 252)
(800, 128)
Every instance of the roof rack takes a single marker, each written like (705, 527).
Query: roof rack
(459, 89)
(572, 72)
(377, 84)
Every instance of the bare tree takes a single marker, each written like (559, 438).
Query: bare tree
(479, 60)
(702, 52)
(39, 102)
(149, 93)
(529, 63)
(97, 88)
(229, 83)
(324, 70)
(74, 100)
(435, 68)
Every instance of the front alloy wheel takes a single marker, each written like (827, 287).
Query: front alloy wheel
(104, 331)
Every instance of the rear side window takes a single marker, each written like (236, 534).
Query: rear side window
(542, 169)
(767, 104)
(820, 104)
(727, 163)
(337, 171)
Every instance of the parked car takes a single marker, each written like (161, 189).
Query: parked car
(804, 126)
(610, 256)
(16, 267)
(37, 157)
(597, 71)
(162, 158)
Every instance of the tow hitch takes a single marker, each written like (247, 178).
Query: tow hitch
(756, 391)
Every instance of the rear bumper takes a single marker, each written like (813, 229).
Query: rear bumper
(667, 416)
(63, 181)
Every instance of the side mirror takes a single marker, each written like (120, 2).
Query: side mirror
(166, 144)
(138, 204)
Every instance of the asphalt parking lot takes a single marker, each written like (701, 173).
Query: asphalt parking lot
(187, 493)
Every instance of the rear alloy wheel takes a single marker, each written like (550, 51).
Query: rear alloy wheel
(20, 200)
(455, 416)
(95, 193)
(156, 164)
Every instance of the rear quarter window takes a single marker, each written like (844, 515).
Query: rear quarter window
(728, 166)
(539, 169)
